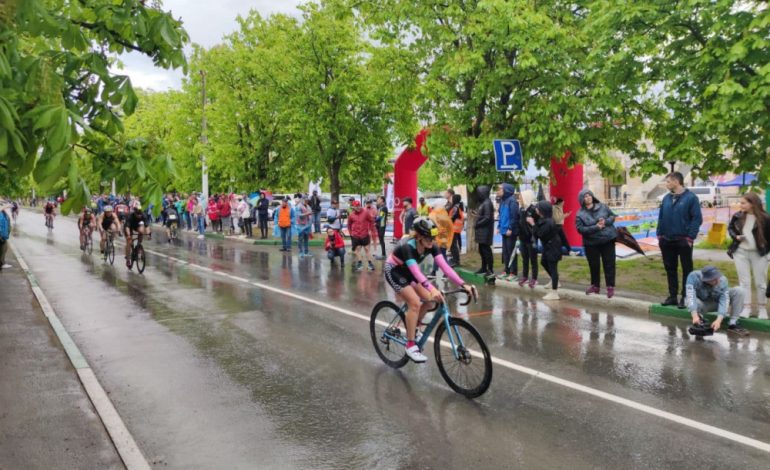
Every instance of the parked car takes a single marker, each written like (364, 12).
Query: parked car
(709, 196)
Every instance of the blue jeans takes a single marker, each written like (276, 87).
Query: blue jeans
(286, 237)
(336, 252)
(317, 222)
(188, 220)
(201, 224)
(302, 241)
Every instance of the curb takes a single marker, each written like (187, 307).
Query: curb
(273, 242)
(667, 311)
(121, 438)
(637, 306)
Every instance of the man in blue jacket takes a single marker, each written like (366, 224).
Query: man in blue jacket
(508, 227)
(679, 221)
(5, 231)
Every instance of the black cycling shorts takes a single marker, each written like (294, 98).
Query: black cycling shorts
(396, 278)
(356, 242)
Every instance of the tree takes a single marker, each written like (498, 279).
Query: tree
(705, 65)
(58, 99)
(507, 69)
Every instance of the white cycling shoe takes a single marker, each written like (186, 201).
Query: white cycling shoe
(415, 354)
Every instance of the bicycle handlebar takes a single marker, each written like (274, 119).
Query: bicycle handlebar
(468, 297)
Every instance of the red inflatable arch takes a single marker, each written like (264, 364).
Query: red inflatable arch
(405, 179)
(566, 183)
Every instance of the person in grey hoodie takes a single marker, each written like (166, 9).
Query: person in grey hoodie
(485, 227)
(596, 223)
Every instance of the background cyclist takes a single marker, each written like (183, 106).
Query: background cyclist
(136, 222)
(107, 221)
(171, 216)
(85, 225)
(49, 212)
(402, 273)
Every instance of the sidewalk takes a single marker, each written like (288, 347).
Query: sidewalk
(46, 418)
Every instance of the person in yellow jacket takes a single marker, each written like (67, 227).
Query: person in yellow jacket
(443, 222)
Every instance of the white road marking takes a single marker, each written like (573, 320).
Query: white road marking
(124, 443)
(707, 428)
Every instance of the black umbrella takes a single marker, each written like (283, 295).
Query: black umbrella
(625, 238)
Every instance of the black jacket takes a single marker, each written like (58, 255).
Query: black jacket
(262, 205)
(735, 228)
(525, 230)
(587, 221)
(548, 233)
(485, 217)
(315, 204)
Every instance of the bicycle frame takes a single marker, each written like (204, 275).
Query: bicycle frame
(441, 314)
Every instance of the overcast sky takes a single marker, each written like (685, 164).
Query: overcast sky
(206, 22)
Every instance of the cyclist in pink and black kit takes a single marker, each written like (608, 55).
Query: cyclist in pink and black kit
(402, 273)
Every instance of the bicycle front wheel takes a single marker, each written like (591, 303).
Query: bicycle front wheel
(110, 251)
(139, 258)
(388, 318)
(470, 372)
(89, 245)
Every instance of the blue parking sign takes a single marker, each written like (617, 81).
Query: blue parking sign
(508, 155)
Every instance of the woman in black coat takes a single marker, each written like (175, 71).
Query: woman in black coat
(547, 232)
(484, 230)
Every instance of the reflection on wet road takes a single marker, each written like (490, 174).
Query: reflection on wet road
(211, 371)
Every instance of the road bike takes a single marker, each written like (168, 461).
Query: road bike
(49, 221)
(137, 254)
(88, 246)
(109, 247)
(173, 231)
(462, 356)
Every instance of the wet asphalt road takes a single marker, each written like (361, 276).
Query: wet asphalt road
(211, 372)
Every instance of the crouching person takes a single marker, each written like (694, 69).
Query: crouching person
(335, 246)
(706, 291)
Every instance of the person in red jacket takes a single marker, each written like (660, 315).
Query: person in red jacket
(335, 246)
(360, 225)
(213, 212)
(225, 211)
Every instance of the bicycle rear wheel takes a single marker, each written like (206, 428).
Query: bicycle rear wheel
(139, 258)
(470, 373)
(387, 317)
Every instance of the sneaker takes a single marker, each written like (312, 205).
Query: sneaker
(512, 278)
(592, 290)
(737, 330)
(551, 296)
(532, 283)
(201, 237)
(610, 292)
(6, 266)
(414, 354)
(417, 336)
(523, 281)
(371, 266)
(670, 300)
(681, 303)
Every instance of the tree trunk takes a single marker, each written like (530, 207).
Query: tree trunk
(334, 181)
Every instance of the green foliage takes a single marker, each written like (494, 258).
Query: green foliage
(58, 100)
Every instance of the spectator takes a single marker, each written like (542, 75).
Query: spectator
(382, 223)
(315, 206)
(190, 207)
(750, 230)
(407, 216)
(508, 228)
(443, 222)
(200, 217)
(449, 195)
(225, 215)
(335, 246)
(679, 221)
(360, 226)
(333, 216)
(485, 222)
(213, 213)
(5, 233)
(244, 210)
(596, 223)
(304, 225)
(374, 235)
(284, 220)
(422, 208)
(457, 214)
(234, 215)
(527, 240)
(263, 204)
(707, 291)
(558, 219)
(545, 230)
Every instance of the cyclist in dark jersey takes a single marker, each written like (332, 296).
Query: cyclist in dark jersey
(49, 212)
(136, 222)
(107, 221)
(402, 273)
(86, 221)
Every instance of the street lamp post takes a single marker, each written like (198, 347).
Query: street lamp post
(204, 140)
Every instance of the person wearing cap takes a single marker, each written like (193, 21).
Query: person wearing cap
(706, 290)
(5, 232)
(360, 226)
(333, 218)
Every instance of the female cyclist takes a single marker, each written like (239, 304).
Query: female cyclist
(402, 273)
